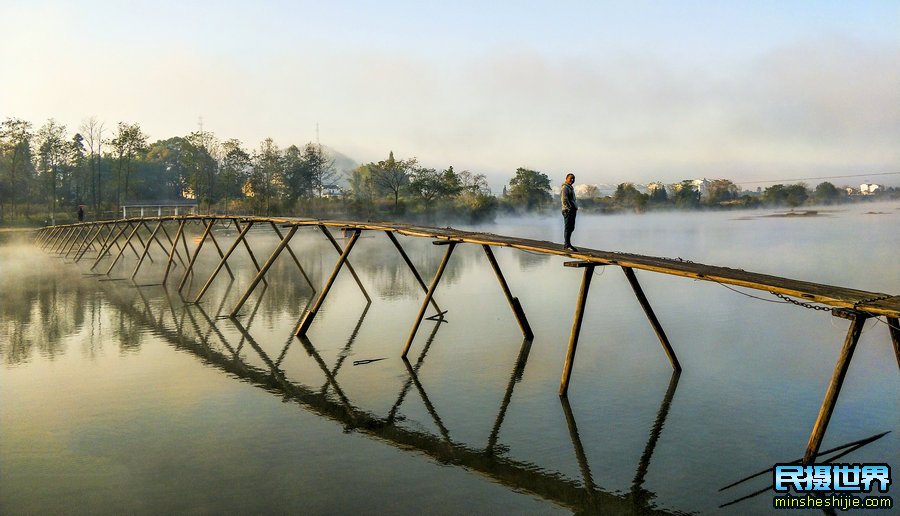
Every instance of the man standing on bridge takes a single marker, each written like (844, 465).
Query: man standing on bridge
(569, 209)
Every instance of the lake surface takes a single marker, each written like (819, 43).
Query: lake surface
(120, 396)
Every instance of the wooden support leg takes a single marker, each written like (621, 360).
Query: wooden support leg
(654, 322)
(83, 235)
(284, 242)
(90, 244)
(64, 241)
(513, 301)
(190, 267)
(834, 387)
(44, 234)
(173, 251)
(249, 249)
(103, 252)
(412, 267)
(128, 242)
(223, 262)
(311, 313)
(155, 238)
(58, 234)
(174, 243)
(294, 257)
(122, 250)
(141, 240)
(337, 248)
(53, 239)
(146, 249)
(894, 329)
(212, 237)
(428, 296)
(576, 330)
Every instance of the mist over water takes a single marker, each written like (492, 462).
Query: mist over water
(121, 394)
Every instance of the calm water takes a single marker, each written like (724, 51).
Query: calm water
(118, 396)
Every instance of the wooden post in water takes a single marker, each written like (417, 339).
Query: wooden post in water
(223, 261)
(249, 249)
(212, 237)
(83, 236)
(576, 323)
(294, 257)
(284, 242)
(190, 268)
(894, 329)
(310, 314)
(64, 241)
(122, 250)
(90, 244)
(857, 319)
(173, 251)
(429, 294)
(337, 248)
(142, 224)
(513, 301)
(48, 236)
(654, 322)
(155, 237)
(412, 267)
(103, 252)
(174, 243)
(146, 249)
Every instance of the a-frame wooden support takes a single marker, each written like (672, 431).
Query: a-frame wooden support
(310, 314)
(857, 319)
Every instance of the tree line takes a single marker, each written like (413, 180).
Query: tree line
(47, 172)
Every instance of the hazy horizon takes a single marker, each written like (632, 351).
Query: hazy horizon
(612, 91)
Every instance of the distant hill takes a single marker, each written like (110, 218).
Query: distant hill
(343, 164)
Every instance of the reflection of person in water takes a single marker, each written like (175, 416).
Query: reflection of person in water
(80, 213)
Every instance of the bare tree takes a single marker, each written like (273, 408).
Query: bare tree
(52, 153)
(92, 132)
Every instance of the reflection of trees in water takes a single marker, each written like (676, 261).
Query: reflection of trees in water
(38, 312)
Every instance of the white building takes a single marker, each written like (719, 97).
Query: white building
(870, 188)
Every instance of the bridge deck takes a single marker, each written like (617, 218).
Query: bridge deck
(874, 303)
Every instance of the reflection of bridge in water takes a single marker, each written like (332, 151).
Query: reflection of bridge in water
(77, 240)
(583, 496)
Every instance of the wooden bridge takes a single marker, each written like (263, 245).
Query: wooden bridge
(140, 235)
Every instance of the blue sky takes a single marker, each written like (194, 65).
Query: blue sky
(613, 91)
